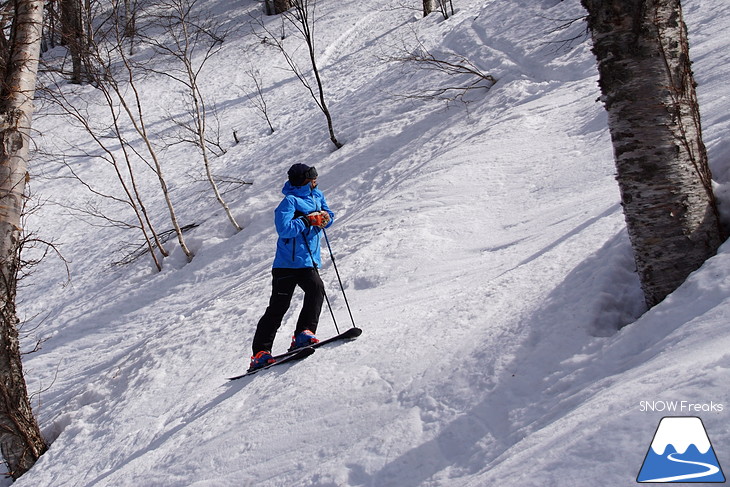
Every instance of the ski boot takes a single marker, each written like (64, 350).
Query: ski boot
(261, 359)
(303, 339)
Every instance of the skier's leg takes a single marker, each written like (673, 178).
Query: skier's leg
(313, 288)
(282, 288)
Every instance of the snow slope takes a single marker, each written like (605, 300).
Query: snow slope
(482, 249)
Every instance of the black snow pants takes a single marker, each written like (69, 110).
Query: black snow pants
(283, 285)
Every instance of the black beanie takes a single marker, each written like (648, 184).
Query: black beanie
(299, 173)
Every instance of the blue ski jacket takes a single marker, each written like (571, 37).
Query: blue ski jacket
(298, 244)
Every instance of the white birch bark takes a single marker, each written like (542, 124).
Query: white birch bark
(20, 438)
(662, 168)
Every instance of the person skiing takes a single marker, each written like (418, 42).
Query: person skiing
(299, 220)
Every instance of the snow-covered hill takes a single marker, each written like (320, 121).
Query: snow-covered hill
(482, 249)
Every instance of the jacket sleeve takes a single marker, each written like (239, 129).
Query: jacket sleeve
(286, 225)
(327, 209)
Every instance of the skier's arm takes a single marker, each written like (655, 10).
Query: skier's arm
(327, 209)
(286, 225)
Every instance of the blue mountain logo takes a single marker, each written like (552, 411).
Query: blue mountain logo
(681, 452)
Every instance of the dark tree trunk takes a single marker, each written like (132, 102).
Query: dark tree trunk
(281, 6)
(428, 6)
(72, 29)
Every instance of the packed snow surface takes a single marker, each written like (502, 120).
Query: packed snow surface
(480, 242)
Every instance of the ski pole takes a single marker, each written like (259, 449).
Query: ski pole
(326, 298)
(334, 264)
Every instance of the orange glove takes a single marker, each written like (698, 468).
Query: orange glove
(317, 219)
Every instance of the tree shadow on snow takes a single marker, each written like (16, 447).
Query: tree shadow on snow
(597, 298)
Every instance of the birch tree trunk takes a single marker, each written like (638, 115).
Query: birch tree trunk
(662, 169)
(304, 23)
(428, 6)
(20, 438)
(188, 39)
(130, 18)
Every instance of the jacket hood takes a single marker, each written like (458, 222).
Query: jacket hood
(299, 191)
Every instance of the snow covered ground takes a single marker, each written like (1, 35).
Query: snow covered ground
(482, 248)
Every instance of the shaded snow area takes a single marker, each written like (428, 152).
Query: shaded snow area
(481, 244)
